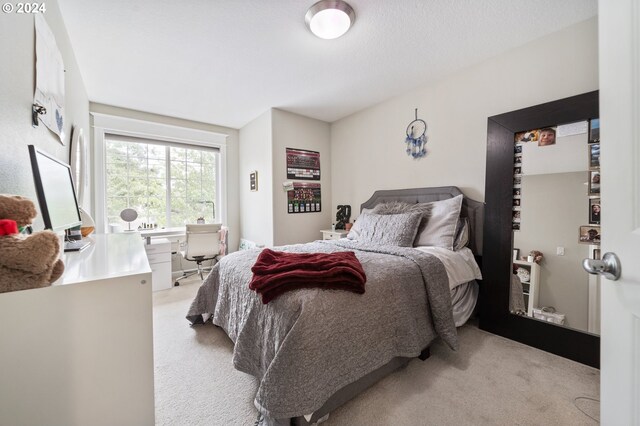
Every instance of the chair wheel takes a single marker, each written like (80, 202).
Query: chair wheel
(176, 284)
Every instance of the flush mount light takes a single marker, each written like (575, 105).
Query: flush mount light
(329, 19)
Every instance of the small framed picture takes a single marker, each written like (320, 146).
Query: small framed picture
(594, 131)
(596, 254)
(515, 216)
(594, 156)
(517, 159)
(529, 136)
(515, 226)
(517, 171)
(517, 149)
(516, 202)
(253, 180)
(517, 181)
(516, 253)
(516, 193)
(594, 211)
(589, 235)
(594, 182)
(547, 136)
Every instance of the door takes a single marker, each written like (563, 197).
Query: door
(619, 50)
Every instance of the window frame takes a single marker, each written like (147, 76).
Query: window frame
(104, 124)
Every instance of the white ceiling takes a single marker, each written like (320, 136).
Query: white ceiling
(226, 62)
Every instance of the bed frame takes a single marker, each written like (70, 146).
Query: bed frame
(474, 210)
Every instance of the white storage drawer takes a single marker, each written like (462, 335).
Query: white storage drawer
(159, 257)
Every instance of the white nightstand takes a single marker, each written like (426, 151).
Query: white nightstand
(328, 234)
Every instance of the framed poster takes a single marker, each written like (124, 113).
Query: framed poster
(304, 198)
(303, 164)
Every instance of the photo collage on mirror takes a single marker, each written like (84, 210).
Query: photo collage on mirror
(590, 234)
(545, 136)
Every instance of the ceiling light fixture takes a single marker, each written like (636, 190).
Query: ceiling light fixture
(329, 19)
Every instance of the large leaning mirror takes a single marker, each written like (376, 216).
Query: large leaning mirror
(541, 220)
(556, 224)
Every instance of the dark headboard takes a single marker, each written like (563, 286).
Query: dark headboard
(474, 210)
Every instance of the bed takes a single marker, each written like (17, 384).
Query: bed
(314, 349)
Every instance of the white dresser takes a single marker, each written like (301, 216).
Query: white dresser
(159, 255)
(80, 352)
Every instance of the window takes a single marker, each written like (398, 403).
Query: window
(168, 184)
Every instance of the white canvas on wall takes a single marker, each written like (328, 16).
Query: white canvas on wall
(49, 78)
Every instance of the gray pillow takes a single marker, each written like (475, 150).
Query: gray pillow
(395, 207)
(441, 227)
(393, 229)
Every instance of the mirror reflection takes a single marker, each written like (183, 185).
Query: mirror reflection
(556, 224)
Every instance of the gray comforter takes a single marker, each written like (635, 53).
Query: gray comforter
(307, 344)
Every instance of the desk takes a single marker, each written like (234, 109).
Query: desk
(80, 352)
(179, 230)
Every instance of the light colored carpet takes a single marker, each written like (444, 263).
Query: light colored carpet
(488, 381)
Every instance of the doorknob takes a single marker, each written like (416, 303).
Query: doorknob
(609, 267)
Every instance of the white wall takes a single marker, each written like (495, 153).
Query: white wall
(367, 147)
(263, 143)
(17, 85)
(256, 208)
(231, 179)
(295, 131)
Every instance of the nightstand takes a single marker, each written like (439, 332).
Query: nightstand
(328, 234)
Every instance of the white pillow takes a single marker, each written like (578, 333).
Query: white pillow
(441, 226)
(354, 234)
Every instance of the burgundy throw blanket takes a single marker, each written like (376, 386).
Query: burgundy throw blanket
(276, 272)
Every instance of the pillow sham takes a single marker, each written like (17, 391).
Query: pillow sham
(393, 229)
(395, 207)
(462, 234)
(441, 226)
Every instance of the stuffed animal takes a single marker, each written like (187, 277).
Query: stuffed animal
(26, 261)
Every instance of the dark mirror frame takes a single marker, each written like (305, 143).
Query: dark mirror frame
(498, 235)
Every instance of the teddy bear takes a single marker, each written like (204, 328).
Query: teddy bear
(26, 261)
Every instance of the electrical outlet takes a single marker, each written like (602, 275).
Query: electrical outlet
(560, 251)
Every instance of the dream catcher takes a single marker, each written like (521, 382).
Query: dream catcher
(416, 138)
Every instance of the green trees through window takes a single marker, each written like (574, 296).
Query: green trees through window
(167, 185)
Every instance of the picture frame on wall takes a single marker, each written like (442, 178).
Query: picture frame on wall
(594, 156)
(594, 211)
(594, 182)
(589, 235)
(253, 181)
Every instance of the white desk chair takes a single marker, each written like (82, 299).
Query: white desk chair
(203, 243)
